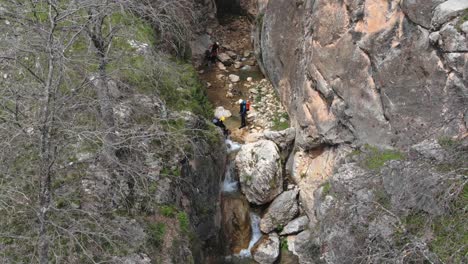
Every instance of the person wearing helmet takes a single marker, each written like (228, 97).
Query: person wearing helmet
(219, 122)
(242, 112)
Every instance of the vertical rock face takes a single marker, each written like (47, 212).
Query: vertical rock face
(370, 71)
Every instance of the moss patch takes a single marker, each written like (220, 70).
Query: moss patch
(374, 158)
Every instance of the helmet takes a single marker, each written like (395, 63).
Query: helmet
(215, 120)
(222, 118)
(240, 101)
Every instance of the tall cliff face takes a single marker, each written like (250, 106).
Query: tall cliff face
(368, 71)
(378, 74)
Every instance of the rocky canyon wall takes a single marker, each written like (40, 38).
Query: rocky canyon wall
(369, 71)
(389, 79)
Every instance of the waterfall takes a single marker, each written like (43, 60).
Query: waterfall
(230, 184)
(256, 235)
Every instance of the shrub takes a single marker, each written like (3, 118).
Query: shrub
(156, 233)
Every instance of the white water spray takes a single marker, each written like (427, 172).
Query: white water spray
(256, 235)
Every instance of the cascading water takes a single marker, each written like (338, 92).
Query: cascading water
(256, 235)
(230, 184)
(231, 188)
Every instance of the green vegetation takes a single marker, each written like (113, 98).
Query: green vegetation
(450, 238)
(326, 189)
(447, 142)
(184, 222)
(463, 19)
(156, 232)
(280, 121)
(284, 243)
(168, 210)
(383, 198)
(375, 158)
(455, 161)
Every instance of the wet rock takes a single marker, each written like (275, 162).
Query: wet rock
(221, 112)
(225, 59)
(295, 226)
(280, 212)
(234, 78)
(267, 250)
(259, 168)
(236, 223)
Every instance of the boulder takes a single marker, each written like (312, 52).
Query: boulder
(282, 210)
(267, 250)
(447, 11)
(221, 112)
(295, 226)
(246, 68)
(284, 138)
(234, 78)
(225, 59)
(260, 174)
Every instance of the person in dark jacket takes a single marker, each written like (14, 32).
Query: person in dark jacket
(243, 112)
(214, 49)
(219, 122)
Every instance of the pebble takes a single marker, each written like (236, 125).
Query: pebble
(234, 78)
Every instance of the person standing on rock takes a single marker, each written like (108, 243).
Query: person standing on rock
(243, 112)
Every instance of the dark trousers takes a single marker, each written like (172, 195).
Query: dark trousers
(243, 122)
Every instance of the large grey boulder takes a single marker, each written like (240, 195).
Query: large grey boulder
(284, 139)
(282, 210)
(259, 168)
(447, 11)
(267, 250)
(295, 226)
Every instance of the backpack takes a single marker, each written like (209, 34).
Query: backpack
(247, 105)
